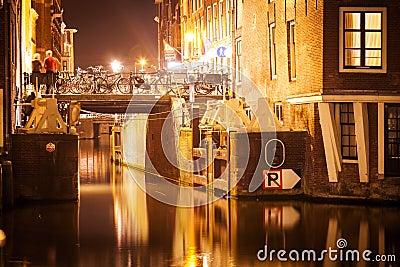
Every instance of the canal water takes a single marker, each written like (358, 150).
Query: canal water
(116, 224)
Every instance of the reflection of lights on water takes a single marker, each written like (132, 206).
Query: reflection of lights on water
(2, 238)
(194, 259)
(205, 260)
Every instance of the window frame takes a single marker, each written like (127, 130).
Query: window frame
(239, 77)
(292, 50)
(272, 50)
(393, 135)
(392, 140)
(278, 110)
(362, 69)
(348, 124)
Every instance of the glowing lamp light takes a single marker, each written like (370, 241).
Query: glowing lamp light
(116, 66)
(173, 64)
(142, 63)
(189, 37)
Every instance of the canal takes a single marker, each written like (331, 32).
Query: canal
(116, 224)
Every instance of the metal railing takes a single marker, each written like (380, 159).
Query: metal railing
(96, 80)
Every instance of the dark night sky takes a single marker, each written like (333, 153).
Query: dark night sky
(115, 29)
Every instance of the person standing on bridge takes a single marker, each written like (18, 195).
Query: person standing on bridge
(50, 65)
(36, 71)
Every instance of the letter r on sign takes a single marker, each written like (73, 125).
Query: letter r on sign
(272, 179)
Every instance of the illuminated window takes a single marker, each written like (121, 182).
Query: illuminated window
(221, 19)
(239, 60)
(362, 39)
(272, 48)
(209, 22)
(278, 110)
(292, 51)
(228, 19)
(239, 13)
(214, 23)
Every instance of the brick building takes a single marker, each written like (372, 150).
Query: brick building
(329, 67)
(48, 31)
(27, 27)
(169, 32)
(195, 29)
(9, 57)
(68, 49)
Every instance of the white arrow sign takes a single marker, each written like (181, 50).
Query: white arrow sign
(280, 179)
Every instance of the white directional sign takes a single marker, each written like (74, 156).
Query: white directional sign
(280, 179)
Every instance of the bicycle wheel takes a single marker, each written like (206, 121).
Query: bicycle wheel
(61, 87)
(73, 86)
(202, 89)
(102, 86)
(179, 90)
(84, 86)
(220, 90)
(124, 86)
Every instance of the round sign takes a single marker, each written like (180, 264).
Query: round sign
(221, 51)
(50, 147)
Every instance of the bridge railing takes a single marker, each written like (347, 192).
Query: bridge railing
(98, 81)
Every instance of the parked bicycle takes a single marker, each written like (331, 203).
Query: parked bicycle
(109, 83)
(89, 78)
(133, 84)
(68, 83)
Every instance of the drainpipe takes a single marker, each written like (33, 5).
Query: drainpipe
(233, 31)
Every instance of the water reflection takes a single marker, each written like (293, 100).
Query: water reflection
(116, 224)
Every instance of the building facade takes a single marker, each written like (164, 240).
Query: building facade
(9, 69)
(327, 67)
(68, 51)
(330, 70)
(48, 29)
(169, 32)
(27, 27)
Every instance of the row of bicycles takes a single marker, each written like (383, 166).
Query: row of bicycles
(96, 80)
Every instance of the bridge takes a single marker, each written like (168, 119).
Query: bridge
(122, 103)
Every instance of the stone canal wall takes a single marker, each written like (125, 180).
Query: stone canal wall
(305, 157)
(45, 166)
(290, 156)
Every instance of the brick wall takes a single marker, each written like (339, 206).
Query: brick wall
(356, 83)
(295, 159)
(8, 68)
(255, 56)
(349, 183)
(258, 15)
(43, 175)
(156, 144)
